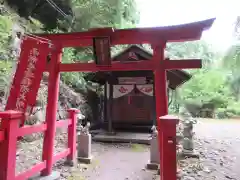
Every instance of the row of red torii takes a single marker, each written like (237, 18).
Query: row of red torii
(32, 64)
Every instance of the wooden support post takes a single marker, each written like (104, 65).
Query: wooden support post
(154, 115)
(51, 113)
(8, 146)
(105, 102)
(72, 136)
(169, 161)
(110, 108)
(160, 93)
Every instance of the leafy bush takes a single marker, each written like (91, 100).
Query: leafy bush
(234, 108)
(207, 86)
(221, 113)
(228, 112)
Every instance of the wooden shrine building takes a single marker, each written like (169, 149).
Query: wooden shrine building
(129, 95)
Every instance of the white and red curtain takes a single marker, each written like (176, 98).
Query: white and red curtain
(146, 89)
(121, 90)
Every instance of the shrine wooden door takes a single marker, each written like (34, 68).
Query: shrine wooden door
(134, 108)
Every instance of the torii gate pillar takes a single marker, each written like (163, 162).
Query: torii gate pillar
(168, 172)
(161, 93)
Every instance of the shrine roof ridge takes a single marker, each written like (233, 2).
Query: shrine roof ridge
(177, 77)
(132, 46)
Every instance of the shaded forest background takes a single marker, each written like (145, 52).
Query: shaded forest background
(217, 83)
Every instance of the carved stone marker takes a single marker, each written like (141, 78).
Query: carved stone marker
(84, 144)
(154, 151)
(188, 136)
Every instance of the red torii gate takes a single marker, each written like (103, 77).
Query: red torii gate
(157, 38)
(102, 39)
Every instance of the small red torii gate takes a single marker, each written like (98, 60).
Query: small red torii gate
(34, 52)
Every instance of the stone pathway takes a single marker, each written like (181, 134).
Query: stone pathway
(113, 161)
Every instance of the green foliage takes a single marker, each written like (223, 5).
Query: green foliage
(73, 79)
(104, 13)
(211, 84)
(5, 70)
(6, 24)
(196, 49)
(234, 108)
(231, 110)
(95, 14)
(202, 89)
(231, 61)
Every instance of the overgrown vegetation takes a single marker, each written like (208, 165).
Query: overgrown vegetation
(218, 82)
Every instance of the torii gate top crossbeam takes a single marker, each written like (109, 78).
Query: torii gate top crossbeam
(176, 33)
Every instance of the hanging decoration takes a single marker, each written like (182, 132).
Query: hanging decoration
(121, 90)
(146, 89)
(27, 79)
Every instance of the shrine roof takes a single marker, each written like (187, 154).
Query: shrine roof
(135, 53)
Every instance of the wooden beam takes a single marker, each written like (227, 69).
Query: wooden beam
(118, 66)
(132, 66)
(182, 64)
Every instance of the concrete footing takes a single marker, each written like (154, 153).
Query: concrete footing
(152, 166)
(189, 154)
(70, 163)
(85, 160)
(54, 176)
(123, 137)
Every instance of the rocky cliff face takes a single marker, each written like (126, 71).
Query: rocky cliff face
(42, 10)
(68, 97)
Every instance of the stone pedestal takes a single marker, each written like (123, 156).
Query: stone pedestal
(154, 155)
(189, 154)
(84, 148)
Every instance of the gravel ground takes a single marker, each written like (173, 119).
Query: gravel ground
(217, 142)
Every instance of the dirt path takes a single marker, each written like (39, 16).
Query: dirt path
(218, 143)
(113, 161)
(119, 162)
